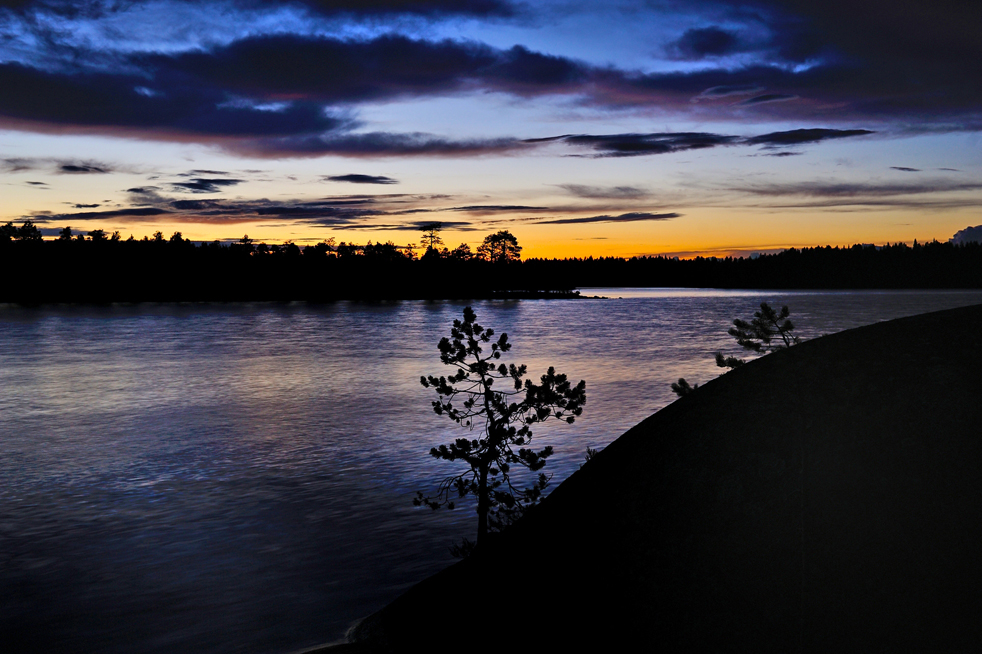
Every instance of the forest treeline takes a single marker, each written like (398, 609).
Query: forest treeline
(105, 268)
(923, 265)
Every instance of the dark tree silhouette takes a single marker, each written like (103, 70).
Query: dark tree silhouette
(500, 416)
(161, 269)
(388, 252)
(246, 244)
(346, 251)
(682, 387)
(28, 232)
(500, 247)
(766, 332)
(462, 253)
(431, 236)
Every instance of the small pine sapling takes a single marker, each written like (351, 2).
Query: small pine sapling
(769, 330)
(500, 417)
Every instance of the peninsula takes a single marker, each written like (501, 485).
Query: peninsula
(822, 498)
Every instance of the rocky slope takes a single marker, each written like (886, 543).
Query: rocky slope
(823, 498)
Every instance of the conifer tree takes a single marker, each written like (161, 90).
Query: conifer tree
(500, 247)
(498, 408)
(768, 331)
(431, 236)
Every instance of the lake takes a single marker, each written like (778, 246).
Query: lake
(239, 478)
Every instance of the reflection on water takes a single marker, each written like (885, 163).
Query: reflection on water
(238, 478)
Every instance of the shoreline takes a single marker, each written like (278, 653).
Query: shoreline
(819, 522)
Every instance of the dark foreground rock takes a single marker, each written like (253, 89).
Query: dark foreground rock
(824, 498)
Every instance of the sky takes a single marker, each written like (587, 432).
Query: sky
(614, 128)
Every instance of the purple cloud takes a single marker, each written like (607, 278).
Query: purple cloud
(623, 218)
(355, 178)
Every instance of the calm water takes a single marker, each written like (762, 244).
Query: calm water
(218, 478)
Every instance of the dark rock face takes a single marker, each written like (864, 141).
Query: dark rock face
(824, 498)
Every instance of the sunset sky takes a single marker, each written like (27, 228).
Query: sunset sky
(583, 127)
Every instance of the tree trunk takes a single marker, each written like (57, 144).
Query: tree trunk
(483, 497)
(483, 503)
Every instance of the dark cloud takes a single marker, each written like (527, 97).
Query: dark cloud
(196, 205)
(830, 85)
(709, 89)
(115, 103)
(771, 35)
(355, 178)
(85, 206)
(623, 218)
(334, 70)
(355, 212)
(328, 69)
(410, 227)
(873, 58)
(926, 194)
(147, 196)
(841, 62)
(493, 208)
(707, 41)
(408, 212)
(17, 164)
(524, 72)
(605, 192)
(255, 87)
(833, 189)
(59, 166)
(324, 213)
(82, 169)
(768, 97)
(444, 224)
(311, 212)
(61, 7)
(376, 144)
(198, 173)
(799, 136)
(632, 145)
(351, 211)
(428, 8)
(433, 9)
(905, 169)
(361, 200)
(924, 34)
(37, 183)
(967, 235)
(729, 90)
(205, 185)
(69, 8)
(132, 212)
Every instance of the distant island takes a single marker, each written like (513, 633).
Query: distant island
(103, 268)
